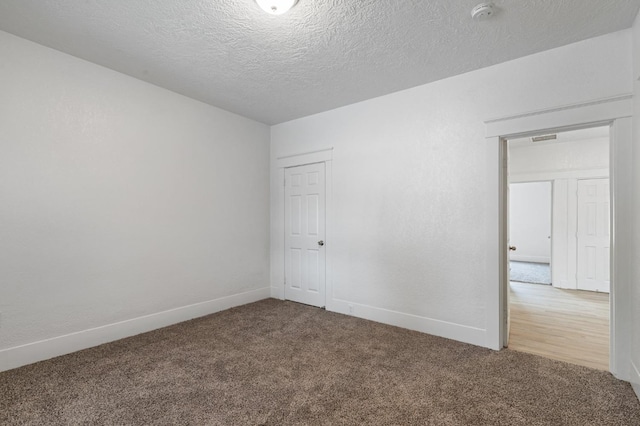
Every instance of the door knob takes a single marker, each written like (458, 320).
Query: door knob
(512, 248)
(320, 243)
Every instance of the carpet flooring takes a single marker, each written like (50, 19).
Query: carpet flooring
(529, 272)
(281, 363)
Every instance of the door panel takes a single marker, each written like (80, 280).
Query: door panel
(593, 235)
(305, 234)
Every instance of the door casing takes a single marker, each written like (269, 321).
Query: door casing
(615, 112)
(278, 220)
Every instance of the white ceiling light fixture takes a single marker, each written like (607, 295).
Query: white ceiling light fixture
(276, 7)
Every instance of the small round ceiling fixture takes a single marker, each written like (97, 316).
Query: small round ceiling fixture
(276, 7)
(482, 11)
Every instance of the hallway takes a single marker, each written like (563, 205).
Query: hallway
(566, 325)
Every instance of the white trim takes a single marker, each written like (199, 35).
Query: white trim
(558, 174)
(569, 117)
(301, 159)
(328, 207)
(503, 251)
(496, 333)
(293, 160)
(44, 349)
(277, 235)
(572, 234)
(562, 108)
(449, 330)
(635, 379)
(617, 113)
(620, 157)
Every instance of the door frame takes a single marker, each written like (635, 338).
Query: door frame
(278, 220)
(615, 112)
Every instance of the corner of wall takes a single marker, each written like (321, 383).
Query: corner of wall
(277, 292)
(157, 235)
(635, 273)
(635, 378)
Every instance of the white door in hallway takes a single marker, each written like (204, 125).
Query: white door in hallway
(305, 234)
(593, 235)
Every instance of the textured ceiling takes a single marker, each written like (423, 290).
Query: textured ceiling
(321, 55)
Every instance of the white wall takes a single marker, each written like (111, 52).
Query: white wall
(119, 200)
(635, 330)
(409, 236)
(552, 161)
(530, 221)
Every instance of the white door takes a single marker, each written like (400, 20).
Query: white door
(593, 235)
(305, 234)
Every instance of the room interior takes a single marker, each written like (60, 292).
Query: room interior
(548, 317)
(544, 180)
(155, 164)
(530, 232)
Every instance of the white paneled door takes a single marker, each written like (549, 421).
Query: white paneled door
(305, 234)
(593, 235)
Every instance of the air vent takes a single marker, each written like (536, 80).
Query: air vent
(544, 138)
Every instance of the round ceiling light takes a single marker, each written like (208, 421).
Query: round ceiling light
(276, 7)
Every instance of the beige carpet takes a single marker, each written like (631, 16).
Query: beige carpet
(281, 363)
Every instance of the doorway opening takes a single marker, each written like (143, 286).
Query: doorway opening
(530, 216)
(559, 234)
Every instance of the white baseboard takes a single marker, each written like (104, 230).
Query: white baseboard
(635, 379)
(564, 284)
(462, 333)
(525, 258)
(45, 349)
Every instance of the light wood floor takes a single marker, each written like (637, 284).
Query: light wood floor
(567, 325)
